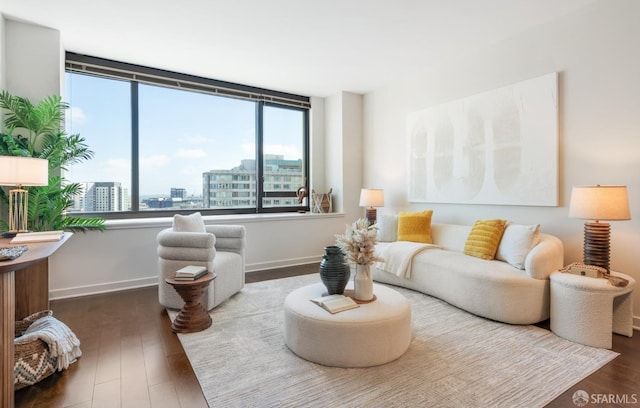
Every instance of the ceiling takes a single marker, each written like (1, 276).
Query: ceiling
(315, 48)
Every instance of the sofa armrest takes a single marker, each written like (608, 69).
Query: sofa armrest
(545, 258)
(229, 237)
(170, 238)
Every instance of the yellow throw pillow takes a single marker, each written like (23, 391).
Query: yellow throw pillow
(484, 238)
(415, 226)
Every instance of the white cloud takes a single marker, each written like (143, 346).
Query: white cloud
(152, 163)
(249, 150)
(118, 164)
(195, 140)
(289, 152)
(191, 153)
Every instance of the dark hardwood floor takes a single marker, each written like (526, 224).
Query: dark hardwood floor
(132, 359)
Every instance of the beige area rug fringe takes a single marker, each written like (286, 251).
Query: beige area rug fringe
(455, 359)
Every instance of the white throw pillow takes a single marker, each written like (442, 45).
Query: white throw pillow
(188, 223)
(387, 225)
(517, 241)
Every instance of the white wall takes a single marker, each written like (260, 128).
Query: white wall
(34, 63)
(596, 53)
(2, 51)
(343, 159)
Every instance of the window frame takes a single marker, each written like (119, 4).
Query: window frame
(136, 74)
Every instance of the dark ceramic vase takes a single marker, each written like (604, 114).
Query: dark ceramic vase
(334, 270)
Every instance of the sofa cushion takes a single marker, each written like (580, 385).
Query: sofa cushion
(188, 223)
(516, 243)
(415, 226)
(387, 225)
(484, 238)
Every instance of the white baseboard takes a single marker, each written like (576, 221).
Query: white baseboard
(262, 266)
(102, 288)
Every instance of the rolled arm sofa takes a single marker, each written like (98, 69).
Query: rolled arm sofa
(495, 289)
(221, 248)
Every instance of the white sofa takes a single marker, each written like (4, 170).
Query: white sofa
(494, 289)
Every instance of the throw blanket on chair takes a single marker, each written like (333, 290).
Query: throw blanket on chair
(63, 343)
(399, 255)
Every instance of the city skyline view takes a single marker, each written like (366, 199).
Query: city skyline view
(181, 134)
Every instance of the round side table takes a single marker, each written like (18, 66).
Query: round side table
(193, 317)
(587, 310)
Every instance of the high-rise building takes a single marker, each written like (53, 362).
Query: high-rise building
(102, 196)
(236, 188)
(177, 192)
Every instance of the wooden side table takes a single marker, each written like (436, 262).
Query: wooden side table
(193, 317)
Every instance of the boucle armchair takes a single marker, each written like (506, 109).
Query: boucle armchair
(219, 247)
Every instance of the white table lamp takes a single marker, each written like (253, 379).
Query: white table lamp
(20, 172)
(599, 203)
(371, 198)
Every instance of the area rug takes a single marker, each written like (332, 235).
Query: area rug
(455, 359)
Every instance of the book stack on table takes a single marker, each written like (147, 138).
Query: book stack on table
(190, 272)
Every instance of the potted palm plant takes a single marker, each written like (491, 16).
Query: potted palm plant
(38, 131)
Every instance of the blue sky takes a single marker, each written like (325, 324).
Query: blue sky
(182, 134)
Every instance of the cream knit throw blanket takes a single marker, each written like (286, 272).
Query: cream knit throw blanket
(63, 343)
(398, 255)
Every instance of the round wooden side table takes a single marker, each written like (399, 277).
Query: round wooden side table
(193, 317)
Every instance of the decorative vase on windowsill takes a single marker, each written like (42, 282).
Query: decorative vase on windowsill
(358, 244)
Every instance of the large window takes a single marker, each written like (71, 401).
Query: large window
(168, 142)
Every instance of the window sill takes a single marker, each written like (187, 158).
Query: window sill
(164, 222)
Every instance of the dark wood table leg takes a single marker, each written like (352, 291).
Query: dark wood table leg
(193, 317)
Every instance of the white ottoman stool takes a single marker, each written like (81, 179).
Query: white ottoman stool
(587, 310)
(374, 333)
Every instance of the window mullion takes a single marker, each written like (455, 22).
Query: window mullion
(259, 156)
(135, 151)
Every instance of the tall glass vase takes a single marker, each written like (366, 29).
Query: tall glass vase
(334, 270)
(363, 283)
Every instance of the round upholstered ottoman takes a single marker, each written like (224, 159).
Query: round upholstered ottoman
(374, 333)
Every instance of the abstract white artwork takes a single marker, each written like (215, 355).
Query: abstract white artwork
(497, 147)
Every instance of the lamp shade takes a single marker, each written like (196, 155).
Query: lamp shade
(606, 203)
(371, 197)
(23, 171)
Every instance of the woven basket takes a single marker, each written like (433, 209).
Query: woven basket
(33, 362)
(321, 203)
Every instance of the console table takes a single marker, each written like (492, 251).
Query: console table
(23, 288)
